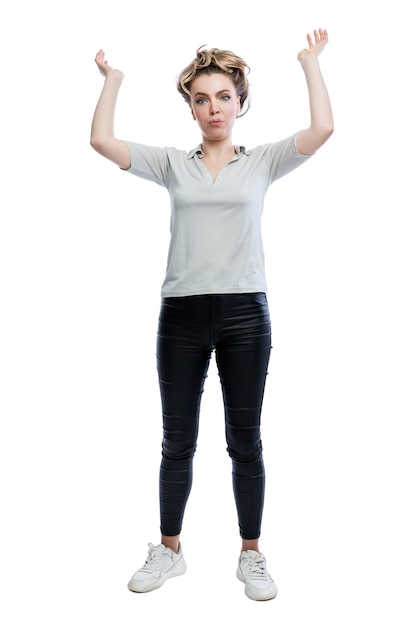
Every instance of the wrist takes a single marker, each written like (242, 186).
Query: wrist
(309, 64)
(114, 76)
(306, 59)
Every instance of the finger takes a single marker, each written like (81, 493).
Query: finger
(99, 57)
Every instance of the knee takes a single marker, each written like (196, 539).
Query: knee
(245, 452)
(178, 449)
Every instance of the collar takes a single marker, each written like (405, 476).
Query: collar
(198, 152)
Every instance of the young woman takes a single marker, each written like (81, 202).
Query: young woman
(213, 295)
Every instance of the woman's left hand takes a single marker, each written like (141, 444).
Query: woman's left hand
(314, 48)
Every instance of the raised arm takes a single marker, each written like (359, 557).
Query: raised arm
(102, 129)
(321, 127)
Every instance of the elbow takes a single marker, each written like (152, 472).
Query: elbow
(331, 130)
(95, 143)
(98, 144)
(325, 133)
(328, 131)
(311, 139)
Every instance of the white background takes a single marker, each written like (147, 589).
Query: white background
(83, 248)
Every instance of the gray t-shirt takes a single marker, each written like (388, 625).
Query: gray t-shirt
(216, 242)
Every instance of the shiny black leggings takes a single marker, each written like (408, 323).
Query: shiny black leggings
(237, 327)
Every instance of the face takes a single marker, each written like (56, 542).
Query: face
(214, 105)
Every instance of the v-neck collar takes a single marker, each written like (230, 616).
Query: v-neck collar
(198, 152)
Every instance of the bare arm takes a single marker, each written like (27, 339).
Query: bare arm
(102, 129)
(321, 127)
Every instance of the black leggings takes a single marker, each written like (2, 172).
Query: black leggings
(237, 327)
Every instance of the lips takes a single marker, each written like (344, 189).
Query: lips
(215, 122)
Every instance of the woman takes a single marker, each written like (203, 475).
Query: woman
(213, 295)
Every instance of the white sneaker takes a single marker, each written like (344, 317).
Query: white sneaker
(252, 571)
(161, 563)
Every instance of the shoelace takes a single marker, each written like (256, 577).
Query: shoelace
(257, 567)
(155, 555)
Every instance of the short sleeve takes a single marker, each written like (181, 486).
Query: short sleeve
(149, 162)
(284, 157)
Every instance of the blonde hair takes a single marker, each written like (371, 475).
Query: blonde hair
(217, 61)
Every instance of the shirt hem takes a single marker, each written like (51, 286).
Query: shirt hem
(202, 292)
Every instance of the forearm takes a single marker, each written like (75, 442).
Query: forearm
(102, 136)
(102, 127)
(321, 116)
(320, 107)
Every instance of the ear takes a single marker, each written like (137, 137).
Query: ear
(238, 106)
(192, 112)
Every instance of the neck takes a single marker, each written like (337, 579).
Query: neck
(217, 148)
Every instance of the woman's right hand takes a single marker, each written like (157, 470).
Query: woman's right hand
(103, 66)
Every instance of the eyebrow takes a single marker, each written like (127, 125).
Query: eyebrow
(200, 93)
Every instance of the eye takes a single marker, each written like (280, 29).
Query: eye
(201, 101)
(225, 97)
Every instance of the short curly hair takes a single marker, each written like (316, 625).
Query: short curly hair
(217, 61)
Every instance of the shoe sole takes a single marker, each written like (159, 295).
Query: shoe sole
(176, 570)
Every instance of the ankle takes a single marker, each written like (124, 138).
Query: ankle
(171, 542)
(250, 544)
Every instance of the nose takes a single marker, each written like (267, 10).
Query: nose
(214, 109)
